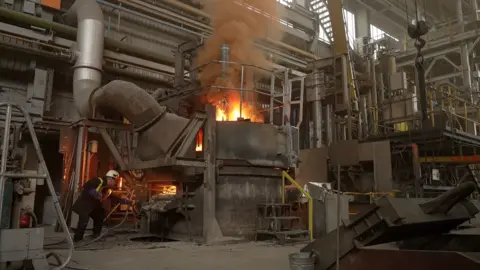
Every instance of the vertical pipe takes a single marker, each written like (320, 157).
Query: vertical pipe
(119, 19)
(373, 76)
(78, 158)
(338, 217)
(272, 95)
(346, 95)
(475, 8)
(225, 58)
(242, 75)
(466, 70)
(328, 124)
(317, 123)
(459, 10)
(417, 170)
(287, 96)
(3, 165)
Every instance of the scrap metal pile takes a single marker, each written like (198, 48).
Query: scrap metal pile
(159, 203)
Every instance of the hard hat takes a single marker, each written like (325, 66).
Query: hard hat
(113, 174)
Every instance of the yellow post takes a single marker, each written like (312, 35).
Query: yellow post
(310, 200)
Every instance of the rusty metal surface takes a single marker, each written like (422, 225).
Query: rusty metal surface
(382, 259)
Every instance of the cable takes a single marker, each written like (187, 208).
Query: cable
(105, 233)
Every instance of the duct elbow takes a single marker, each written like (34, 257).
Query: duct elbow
(82, 10)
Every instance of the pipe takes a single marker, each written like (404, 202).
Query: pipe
(459, 10)
(475, 10)
(87, 75)
(157, 129)
(346, 96)
(225, 58)
(125, 98)
(71, 32)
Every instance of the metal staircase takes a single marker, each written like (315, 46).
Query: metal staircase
(325, 23)
(281, 221)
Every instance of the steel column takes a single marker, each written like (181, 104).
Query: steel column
(317, 116)
(3, 166)
(346, 95)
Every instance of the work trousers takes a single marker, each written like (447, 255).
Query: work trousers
(97, 215)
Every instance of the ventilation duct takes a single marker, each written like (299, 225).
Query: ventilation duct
(157, 129)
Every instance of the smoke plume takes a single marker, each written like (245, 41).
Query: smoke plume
(237, 23)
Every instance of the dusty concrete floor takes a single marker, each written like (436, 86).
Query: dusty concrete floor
(182, 256)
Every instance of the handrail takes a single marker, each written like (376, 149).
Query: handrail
(310, 201)
(372, 194)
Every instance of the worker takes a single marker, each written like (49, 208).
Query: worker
(89, 204)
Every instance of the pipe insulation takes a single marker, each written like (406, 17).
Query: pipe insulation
(87, 75)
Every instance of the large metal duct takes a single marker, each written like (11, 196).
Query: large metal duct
(142, 110)
(87, 76)
(157, 129)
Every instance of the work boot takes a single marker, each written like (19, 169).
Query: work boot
(77, 238)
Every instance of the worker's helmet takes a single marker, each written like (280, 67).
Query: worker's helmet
(113, 174)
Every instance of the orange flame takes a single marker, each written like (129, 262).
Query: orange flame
(199, 141)
(232, 113)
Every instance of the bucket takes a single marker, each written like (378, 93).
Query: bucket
(302, 261)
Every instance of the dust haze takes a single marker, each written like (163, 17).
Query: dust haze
(238, 23)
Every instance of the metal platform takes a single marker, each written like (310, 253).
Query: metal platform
(428, 136)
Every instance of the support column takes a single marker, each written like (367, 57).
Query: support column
(466, 70)
(317, 123)
(459, 10)
(346, 96)
(211, 229)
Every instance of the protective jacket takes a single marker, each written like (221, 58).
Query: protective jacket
(91, 196)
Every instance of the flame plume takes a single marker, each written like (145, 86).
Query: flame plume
(237, 23)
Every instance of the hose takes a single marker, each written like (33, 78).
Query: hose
(105, 233)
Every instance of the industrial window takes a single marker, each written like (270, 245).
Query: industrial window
(285, 2)
(377, 33)
(349, 19)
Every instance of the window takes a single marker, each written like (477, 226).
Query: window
(377, 33)
(285, 2)
(349, 19)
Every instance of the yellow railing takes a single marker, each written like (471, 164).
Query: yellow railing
(285, 175)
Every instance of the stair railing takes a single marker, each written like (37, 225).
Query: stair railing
(285, 175)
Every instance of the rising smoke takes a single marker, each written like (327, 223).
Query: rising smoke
(238, 23)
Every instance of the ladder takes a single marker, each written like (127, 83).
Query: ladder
(30, 240)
